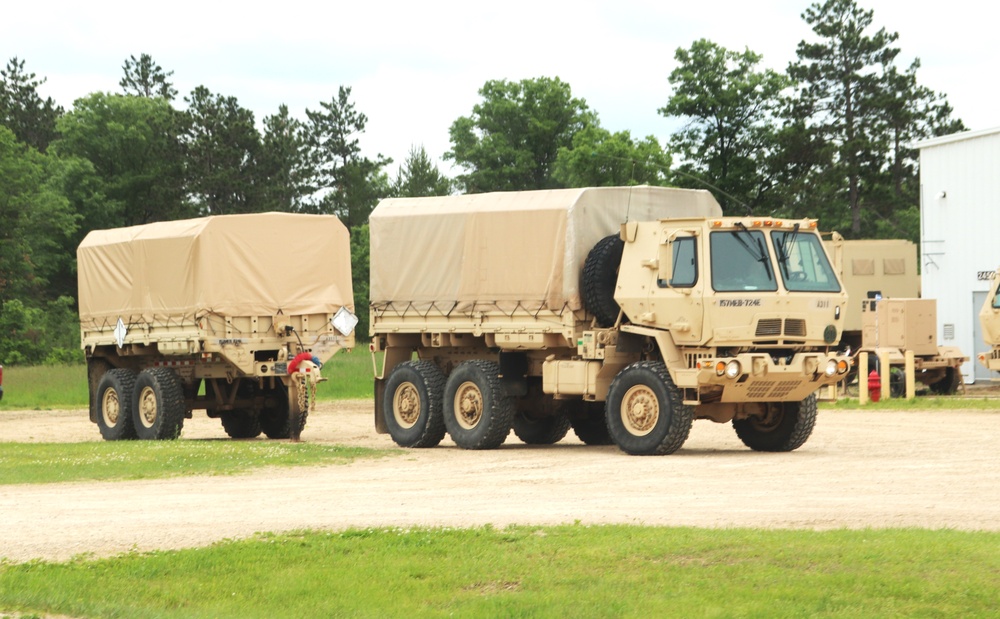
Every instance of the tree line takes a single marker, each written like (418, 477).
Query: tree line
(828, 138)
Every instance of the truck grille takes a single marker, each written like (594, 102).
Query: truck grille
(795, 327)
(771, 390)
(772, 327)
(768, 327)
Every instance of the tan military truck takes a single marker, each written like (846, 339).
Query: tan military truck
(886, 318)
(989, 320)
(232, 314)
(622, 312)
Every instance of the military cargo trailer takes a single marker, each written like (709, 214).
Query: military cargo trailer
(232, 314)
(887, 319)
(624, 313)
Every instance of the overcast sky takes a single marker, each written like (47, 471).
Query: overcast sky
(417, 66)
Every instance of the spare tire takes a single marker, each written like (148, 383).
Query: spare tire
(600, 276)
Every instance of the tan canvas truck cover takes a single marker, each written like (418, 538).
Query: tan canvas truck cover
(506, 250)
(231, 265)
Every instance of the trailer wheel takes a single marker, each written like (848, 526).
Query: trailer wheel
(589, 423)
(275, 421)
(113, 404)
(644, 412)
(546, 430)
(412, 404)
(600, 276)
(477, 413)
(241, 423)
(783, 427)
(949, 384)
(158, 404)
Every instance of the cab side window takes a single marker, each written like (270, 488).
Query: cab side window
(685, 273)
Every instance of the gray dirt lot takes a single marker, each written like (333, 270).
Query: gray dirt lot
(934, 469)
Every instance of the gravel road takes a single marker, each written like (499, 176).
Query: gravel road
(933, 469)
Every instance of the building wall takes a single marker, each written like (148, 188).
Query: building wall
(960, 233)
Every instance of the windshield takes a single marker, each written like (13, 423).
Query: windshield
(802, 262)
(740, 261)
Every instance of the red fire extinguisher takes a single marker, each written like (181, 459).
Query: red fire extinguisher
(874, 385)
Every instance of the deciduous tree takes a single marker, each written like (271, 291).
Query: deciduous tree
(513, 136)
(134, 146)
(599, 158)
(730, 105)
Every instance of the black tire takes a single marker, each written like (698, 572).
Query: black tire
(600, 276)
(241, 423)
(158, 404)
(949, 384)
(113, 402)
(540, 430)
(477, 413)
(786, 426)
(645, 413)
(244, 420)
(96, 369)
(897, 383)
(588, 422)
(275, 421)
(413, 404)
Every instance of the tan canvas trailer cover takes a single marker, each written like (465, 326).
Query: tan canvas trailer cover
(231, 276)
(457, 259)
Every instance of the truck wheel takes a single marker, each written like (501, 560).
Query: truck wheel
(113, 402)
(96, 369)
(413, 403)
(477, 413)
(158, 404)
(589, 423)
(600, 276)
(540, 430)
(241, 423)
(897, 383)
(275, 421)
(644, 412)
(784, 427)
(949, 384)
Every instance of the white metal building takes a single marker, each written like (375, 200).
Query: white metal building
(959, 226)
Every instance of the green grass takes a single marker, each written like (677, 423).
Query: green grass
(45, 387)
(65, 386)
(954, 402)
(28, 463)
(563, 571)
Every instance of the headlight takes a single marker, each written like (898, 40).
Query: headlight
(843, 366)
(733, 369)
(831, 367)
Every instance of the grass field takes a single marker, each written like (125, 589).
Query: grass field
(30, 463)
(565, 571)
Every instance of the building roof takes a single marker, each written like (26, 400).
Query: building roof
(954, 137)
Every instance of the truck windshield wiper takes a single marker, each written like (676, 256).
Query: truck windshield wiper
(760, 255)
(782, 249)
